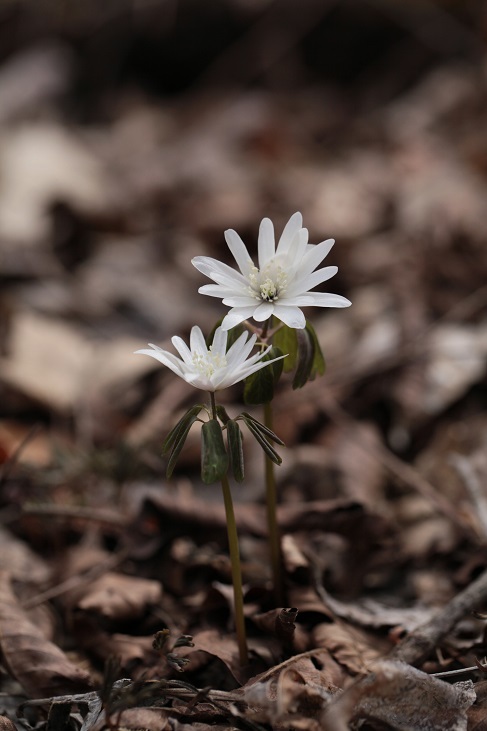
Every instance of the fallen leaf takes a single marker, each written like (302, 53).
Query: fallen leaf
(39, 665)
(404, 698)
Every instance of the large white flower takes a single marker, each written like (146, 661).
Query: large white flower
(213, 368)
(280, 285)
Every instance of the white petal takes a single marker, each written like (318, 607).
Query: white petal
(219, 344)
(240, 349)
(290, 316)
(214, 290)
(239, 251)
(321, 299)
(311, 280)
(313, 257)
(198, 381)
(297, 248)
(218, 271)
(266, 244)
(247, 371)
(197, 341)
(263, 311)
(236, 316)
(167, 359)
(241, 301)
(290, 230)
(182, 349)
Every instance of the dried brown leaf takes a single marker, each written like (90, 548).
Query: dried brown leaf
(130, 651)
(116, 596)
(149, 719)
(39, 665)
(349, 646)
(296, 692)
(404, 698)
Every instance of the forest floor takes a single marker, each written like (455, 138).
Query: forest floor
(382, 488)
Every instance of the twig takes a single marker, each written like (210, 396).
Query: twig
(419, 643)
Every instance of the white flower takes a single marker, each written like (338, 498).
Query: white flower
(280, 285)
(213, 368)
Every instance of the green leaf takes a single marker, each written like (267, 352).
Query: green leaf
(276, 367)
(306, 353)
(222, 414)
(259, 387)
(261, 439)
(286, 340)
(235, 449)
(188, 418)
(268, 433)
(179, 443)
(311, 362)
(214, 457)
(319, 364)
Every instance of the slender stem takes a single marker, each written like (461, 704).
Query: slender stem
(236, 573)
(213, 404)
(234, 560)
(273, 528)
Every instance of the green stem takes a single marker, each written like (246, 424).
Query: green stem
(234, 560)
(236, 573)
(213, 404)
(272, 526)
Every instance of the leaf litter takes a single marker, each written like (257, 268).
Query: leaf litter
(381, 489)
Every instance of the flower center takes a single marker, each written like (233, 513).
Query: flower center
(209, 363)
(269, 283)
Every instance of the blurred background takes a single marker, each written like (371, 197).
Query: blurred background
(134, 132)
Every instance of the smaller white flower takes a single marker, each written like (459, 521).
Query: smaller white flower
(213, 368)
(280, 285)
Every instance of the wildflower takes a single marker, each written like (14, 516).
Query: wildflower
(212, 368)
(280, 285)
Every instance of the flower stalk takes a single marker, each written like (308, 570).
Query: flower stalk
(236, 572)
(234, 559)
(272, 524)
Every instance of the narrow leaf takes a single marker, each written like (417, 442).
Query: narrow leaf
(287, 341)
(264, 429)
(180, 426)
(260, 438)
(222, 414)
(214, 457)
(178, 445)
(235, 449)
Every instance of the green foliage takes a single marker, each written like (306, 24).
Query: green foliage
(235, 449)
(262, 435)
(214, 457)
(287, 341)
(222, 414)
(259, 387)
(310, 358)
(177, 436)
(305, 356)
